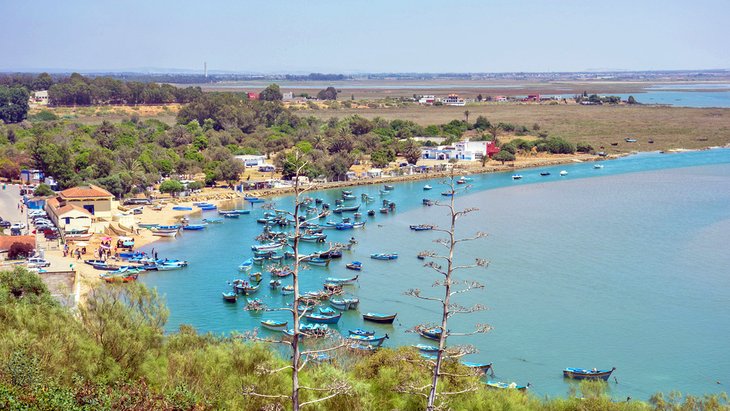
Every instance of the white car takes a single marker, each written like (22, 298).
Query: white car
(37, 262)
(34, 213)
(19, 226)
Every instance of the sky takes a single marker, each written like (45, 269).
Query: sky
(343, 36)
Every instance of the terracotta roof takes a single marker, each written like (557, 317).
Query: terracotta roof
(7, 241)
(55, 204)
(90, 191)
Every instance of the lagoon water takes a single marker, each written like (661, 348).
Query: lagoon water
(624, 266)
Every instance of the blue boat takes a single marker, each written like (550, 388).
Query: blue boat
(482, 368)
(168, 227)
(379, 318)
(182, 208)
(327, 311)
(384, 256)
(430, 333)
(360, 331)
(426, 348)
(355, 265)
(583, 374)
(213, 220)
(253, 200)
(323, 319)
(369, 339)
(194, 227)
(448, 194)
(230, 297)
(246, 265)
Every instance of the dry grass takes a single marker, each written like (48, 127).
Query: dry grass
(96, 114)
(669, 127)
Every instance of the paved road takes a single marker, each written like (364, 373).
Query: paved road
(9, 199)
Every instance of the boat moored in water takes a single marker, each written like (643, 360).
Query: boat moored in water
(584, 374)
(379, 318)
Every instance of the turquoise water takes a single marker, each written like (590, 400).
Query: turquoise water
(623, 266)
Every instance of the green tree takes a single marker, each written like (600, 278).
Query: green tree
(382, 157)
(482, 123)
(330, 93)
(43, 190)
(42, 82)
(13, 104)
(631, 100)
(171, 186)
(504, 156)
(412, 151)
(271, 93)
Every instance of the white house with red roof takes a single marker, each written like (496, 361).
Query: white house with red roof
(78, 207)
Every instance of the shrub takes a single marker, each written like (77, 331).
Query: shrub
(584, 148)
(43, 190)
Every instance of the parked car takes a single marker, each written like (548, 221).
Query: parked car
(5, 224)
(38, 262)
(15, 231)
(137, 201)
(19, 226)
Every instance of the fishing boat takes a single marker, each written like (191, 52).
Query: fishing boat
(311, 238)
(229, 215)
(267, 247)
(422, 227)
(194, 227)
(349, 197)
(287, 290)
(342, 281)
(213, 220)
(369, 339)
(517, 177)
(505, 386)
(460, 181)
(427, 202)
(246, 265)
(327, 311)
(563, 173)
(346, 192)
(274, 284)
(599, 166)
(384, 210)
(236, 211)
(383, 192)
(323, 214)
(92, 262)
(245, 288)
(371, 213)
(427, 187)
(105, 266)
(230, 297)
(464, 178)
(583, 374)
(208, 207)
(366, 198)
(355, 265)
(165, 232)
(426, 348)
(323, 319)
(331, 255)
(147, 225)
(255, 305)
(274, 325)
(341, 305)
(360, 331)
(482, 368)
(182, 208)
(545, 173)
(340, 210)
(429, 333)
(384, 256)
(387, 187)
(168, 267)
(379, 318)
(253, 200)
(316, 261)
(281, 272)
(447, 193)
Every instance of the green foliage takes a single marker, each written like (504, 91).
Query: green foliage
(504, 156)
(482, 123)
(20, 250)
(195, 185)
(43, 190)
(557, 145)
(330, 93)
(584, 148)
(382, 157)
(271, 93)
(13, 104)
(171, 186)
(43, 115)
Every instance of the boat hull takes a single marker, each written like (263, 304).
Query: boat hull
(381, 319)
(583, 374)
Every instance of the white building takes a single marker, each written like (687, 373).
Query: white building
(427, 100)
(252, 160)
(453, 100)
(40, 97)
(462, 150)
(287, 96)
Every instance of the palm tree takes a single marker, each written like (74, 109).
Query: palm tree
(494, 130)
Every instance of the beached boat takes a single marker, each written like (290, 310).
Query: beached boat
(369, 339)
(517, 176)
(355, 265)
(148, 225)
(165, 232)
(323, 319)
(274, 325)
(480, 367)
(194, 227)
(182, 208)
(379, 318)
(246, 265)
(563, 173)
(384, 256)
(421, 227)
(92, 262)
(105, 266)
(583, 374)
(230, 297)
(342, 281)
(427, 187)
(429, 333)
(505, 386)
(287, 290)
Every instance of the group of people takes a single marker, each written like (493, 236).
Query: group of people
(77, 252)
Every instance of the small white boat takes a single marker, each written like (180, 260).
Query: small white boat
(165, 233)
(517, 177)
(563, 173)
(598, 166)
(427, 187)
(246, 265)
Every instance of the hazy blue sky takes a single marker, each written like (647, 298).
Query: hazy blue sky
(365, 36)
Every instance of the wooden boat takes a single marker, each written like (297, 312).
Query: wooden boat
(253, 200)
(182, 208)
(371, 213)
(340, 210)
(323, 319)
(545, 173)
(429, 333)
(274, 325)
(148, 225)
(427, 187)
(92, 262)
(246, 265)
(274, 284)
(267, 247)
(563, 173)
(213, 220)
(379, 318)
(288, 289)
(583, 374)
(230, 297)
(517, 176)
(164, 232)
(247, 289)
(384, 256)
(315, 261)
(194, 227)
(504, 386)
(369, 339)
(482, 368)
(421, 227)
(105, 266)
(331, 255)
(281, 272)
(342, 281)
(448, 194)
(598, 166)
(387, 187)
(230, 215)
(355, 265)
(427, 202)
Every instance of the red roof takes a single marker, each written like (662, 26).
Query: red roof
(55, 205)
(7, 241)
(90, 191)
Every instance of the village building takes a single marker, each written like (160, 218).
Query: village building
(427, 100)
(39, 97)
(462, 150)
(78, 207)
(453, 100)
(7, 241)
(31, 176)
(252, 160)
